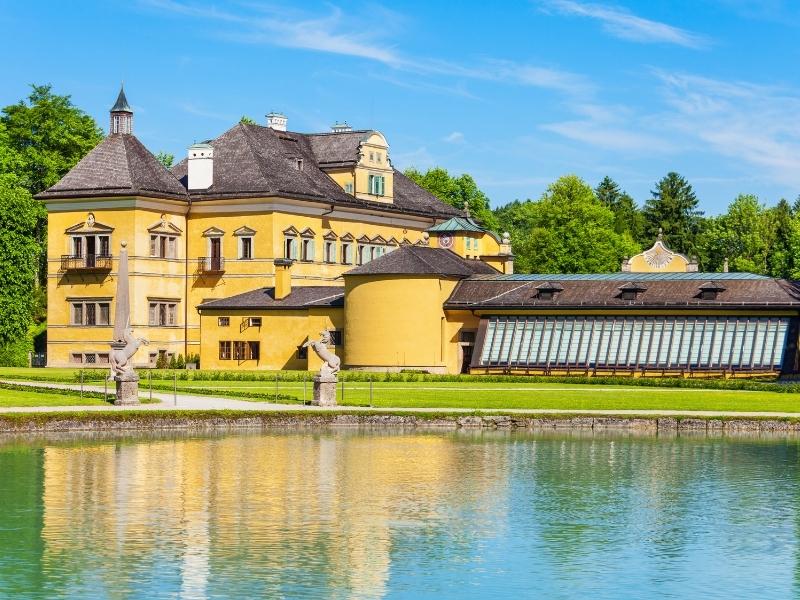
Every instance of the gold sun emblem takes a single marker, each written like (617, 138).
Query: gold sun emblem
(658, 257)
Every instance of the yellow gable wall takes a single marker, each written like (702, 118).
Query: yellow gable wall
(149, 277)
(281, 332)
(639, 264)
(376, 145)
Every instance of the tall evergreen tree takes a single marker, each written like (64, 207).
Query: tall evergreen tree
(673, 209)
(781, 257)
(627, 216)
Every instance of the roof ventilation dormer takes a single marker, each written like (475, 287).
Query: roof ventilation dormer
(277, 121)
(200, 166)
(631, 290)
(342, 127)
(710, 290)
(548, 290)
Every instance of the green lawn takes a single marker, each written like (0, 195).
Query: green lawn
(468, 394)
(529, 396)
(36, 398)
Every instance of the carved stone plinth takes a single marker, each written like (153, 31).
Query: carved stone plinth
(127, 389)
(324, 391)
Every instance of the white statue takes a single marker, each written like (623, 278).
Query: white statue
(330, 362)
(121, 367)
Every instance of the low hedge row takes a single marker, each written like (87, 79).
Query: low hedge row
(51, 391)
(245, 394)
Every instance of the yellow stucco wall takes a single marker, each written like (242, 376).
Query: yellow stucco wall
(281, 332)
(149, 278)
(397, 322)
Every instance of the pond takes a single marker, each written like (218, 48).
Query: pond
(393, 514)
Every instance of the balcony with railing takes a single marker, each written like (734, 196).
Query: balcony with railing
(211, 264)
(86, 263)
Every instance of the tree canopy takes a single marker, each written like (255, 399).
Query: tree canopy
(568, 230)
(50, 134)
(456, 191)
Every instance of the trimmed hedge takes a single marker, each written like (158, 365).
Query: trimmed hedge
(52, 391)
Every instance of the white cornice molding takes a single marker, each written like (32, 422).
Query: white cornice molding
(124, 202)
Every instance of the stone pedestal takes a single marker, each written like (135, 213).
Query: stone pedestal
(127, 389)
(324, 391)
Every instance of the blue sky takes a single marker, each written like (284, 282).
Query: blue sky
(514, 93)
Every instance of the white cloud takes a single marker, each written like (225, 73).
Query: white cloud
(623, 24)
(454, 138)
(753, 123)
(337, 33)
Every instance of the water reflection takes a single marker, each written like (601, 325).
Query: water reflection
(348, 514)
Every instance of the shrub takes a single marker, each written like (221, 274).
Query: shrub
(179, 362)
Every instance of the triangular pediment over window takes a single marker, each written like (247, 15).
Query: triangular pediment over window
(244, 231)
(330, 236)
(347, 237)
(307, 232)
(164, 226)
(378, 239)
(392, 241)
(89, 226)
(291, 231)
(213, 232)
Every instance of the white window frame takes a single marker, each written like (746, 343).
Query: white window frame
(347, 253)
(329, 254)
(242, 239)
(307, 249)
(170, 244)
(290, 247)
(167, 308)
(83, 303)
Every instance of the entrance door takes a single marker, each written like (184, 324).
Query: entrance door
(466, 357)
(91, 251)
(216, 255)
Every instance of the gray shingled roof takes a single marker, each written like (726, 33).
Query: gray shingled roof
(421, 260)
(338, 149)
(253, 161)
(264, 299)
(118, 166)
(489, 292)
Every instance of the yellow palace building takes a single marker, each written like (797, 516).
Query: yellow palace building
(263, 237)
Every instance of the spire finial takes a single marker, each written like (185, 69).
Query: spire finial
(466, 209)
(660, 234)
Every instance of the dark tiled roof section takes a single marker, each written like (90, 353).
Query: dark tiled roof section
(264, 298)
(252, 160)
(420, 260)
(413, 198)
(337, 149)
(481, 292)
(120, 165)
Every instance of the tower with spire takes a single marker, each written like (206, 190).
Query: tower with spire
(121, 115)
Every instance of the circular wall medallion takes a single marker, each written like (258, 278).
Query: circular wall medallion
(445, 240)
(658, 257)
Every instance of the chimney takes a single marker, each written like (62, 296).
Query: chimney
(276, 121)
(341, 127)
(283, 277)
(200, 173)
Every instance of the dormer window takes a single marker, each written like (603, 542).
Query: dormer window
(548, 290)
(710, 290)
(630, 291)
(299, 164)
(376, 185)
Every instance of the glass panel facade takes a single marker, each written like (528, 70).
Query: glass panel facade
(634, 342)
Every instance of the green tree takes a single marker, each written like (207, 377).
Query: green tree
(744, 236)
(19, 255)
(245, 120)
(166, 159)
(50, 134)
(781, 258)
(567, 231)
(456, 191)
(673, 209)
(627, 216)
